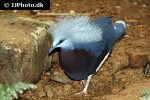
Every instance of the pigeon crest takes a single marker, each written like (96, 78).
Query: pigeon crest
(78, 30)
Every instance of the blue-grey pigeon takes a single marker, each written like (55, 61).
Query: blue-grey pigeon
(83, 44)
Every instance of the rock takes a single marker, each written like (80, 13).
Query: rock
(34, 97)
(61, 79)
(67, 87)
(127, 36)
(118, 7)
(48, 74)
(135, 3)
(71, 12)
(144, 5)
(35, 11)
(115, 90)
(147, 70)
(39, 92)
(23, 50)
(56, 4)
(139, 59)
(48, 91)
(15, 11)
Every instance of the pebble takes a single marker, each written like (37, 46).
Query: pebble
(48, 74)
(61, 79)
(39, 92)
(15, 11)
(67, 87)
(147, 69)
(71, 12)
(134, 3)
(35, 11)
(96, 11)
(116, 90)
(118, 7)
(128, 25)
(144, 5)
(57, 4)
(127, 36)
(138, 59)
(34, 97)
(48, 91)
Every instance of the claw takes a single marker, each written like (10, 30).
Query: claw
(81, 94)
(79, 84)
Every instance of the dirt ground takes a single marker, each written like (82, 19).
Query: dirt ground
(111, 82)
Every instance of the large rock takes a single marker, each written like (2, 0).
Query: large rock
(23, 50)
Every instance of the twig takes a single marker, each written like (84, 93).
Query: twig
(62, 14)
(35, 21)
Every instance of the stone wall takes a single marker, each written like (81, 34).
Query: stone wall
(23, 50)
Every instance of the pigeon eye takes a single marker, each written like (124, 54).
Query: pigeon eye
(60, 41)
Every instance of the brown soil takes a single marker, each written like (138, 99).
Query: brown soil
(116, 80)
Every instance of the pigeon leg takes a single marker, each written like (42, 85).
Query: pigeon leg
(87, 84)
(102, 61)
(84, 92)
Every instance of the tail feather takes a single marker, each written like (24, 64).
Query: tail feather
(119, 27)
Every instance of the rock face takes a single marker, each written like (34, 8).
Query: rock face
(23, 50)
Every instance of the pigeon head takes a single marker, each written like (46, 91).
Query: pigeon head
(57, 45)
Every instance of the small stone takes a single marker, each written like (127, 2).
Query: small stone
(39, 92)
(131, 21)
(15, 11)
(35, 11)
(57, 4)
(134, 3)
(115, 90)
(48, 74)
(61, 79)
(34, 97)
(147, 70)
(128, 25)
(71, 12)
(144, 5)
(55, 73)
(67, 87)
(96, 11)
(138, 59)
(127, 36)
(118, 7)
(48, 91)
(13, 38)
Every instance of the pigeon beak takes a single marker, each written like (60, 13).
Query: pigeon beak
(51, 51)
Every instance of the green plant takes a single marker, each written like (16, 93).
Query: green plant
(9, 91)
(145, 94)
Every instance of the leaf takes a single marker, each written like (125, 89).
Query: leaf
(12, 90)
(145, 94)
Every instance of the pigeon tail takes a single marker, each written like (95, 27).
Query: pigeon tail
(119, 27)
